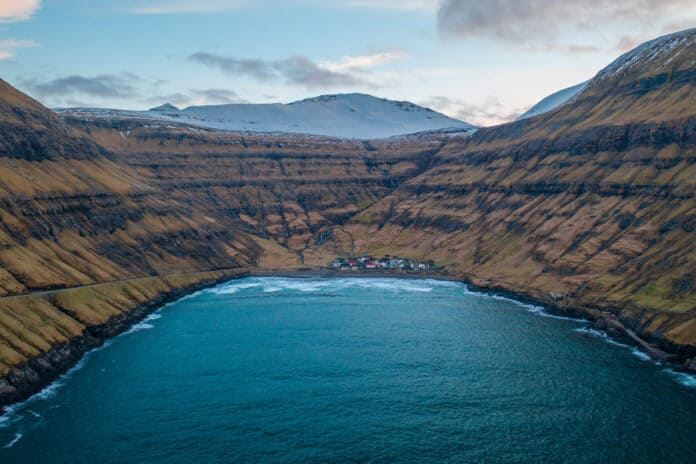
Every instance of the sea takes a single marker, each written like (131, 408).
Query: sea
(318, 369)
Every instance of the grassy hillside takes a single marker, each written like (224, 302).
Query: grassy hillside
(140, 204)
(592, 204)
(594, 200)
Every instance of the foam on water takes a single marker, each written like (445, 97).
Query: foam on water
(18, 436)
(688, 380)
(140, 326)
(638, 353)
(234, 287)
(642, 355)
(145, 324)
(13, 413)
(589, 331)
(321, 285)
(534, 309)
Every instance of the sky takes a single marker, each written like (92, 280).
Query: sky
(484, 62)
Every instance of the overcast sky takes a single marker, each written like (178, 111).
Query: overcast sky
(482, 61)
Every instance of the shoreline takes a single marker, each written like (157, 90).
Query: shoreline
(42, 371)
(24, 381)
(681, 358)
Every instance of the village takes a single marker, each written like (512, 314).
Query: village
(386, 263)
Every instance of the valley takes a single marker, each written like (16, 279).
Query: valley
(588, 207)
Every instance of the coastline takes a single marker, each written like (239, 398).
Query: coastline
(681, 358)
(32, 377)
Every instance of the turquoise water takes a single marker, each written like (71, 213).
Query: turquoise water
(354, 370)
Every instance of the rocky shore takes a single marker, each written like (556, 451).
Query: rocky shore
(31, 377)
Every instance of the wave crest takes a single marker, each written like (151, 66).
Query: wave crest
(277, 284)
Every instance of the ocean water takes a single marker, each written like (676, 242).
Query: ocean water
(357, 370)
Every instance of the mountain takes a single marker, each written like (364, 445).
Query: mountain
(589, 207)
(28, 131)
(591, 202)
(357, 116)
(102, 219)
(554, 100)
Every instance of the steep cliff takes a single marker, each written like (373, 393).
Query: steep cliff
(592, 202)
(140, 200)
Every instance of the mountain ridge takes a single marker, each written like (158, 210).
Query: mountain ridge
(592, 200)
(355, 116)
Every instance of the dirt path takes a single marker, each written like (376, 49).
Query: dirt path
(41, 293)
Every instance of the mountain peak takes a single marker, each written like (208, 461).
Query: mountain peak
(164, 108)
(673, 50)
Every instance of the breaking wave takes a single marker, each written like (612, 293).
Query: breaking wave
(688, 380)
(144, 324)
(589, 331)
(13, 413)
(278, 284)
(534, 309)
(17, 437)
(642, 355)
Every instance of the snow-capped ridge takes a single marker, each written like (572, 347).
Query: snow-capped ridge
(652, 51)
(653, 55)
(356, 115)
(554, 100)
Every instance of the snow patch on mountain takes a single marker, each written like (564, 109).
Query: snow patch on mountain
(554, 100)
(654, 51)
(355, 115)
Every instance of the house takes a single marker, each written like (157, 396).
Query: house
(370, 262)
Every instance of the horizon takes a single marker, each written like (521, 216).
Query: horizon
(488, 63)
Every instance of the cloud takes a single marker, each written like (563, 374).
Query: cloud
(529, 20)
(488, 112)
(9, 47)
(408, 5)
(257, 69)
(102, 86)
(627, 43)
(163, 7)
(348, 63)
(300, 70)
(187, 7)
(680, 24)
(218, 96)
(17, 10)
(196, 97)
(177, 99)
(296, 70)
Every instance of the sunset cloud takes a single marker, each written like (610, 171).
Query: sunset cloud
(17, 10)
(364, 61)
